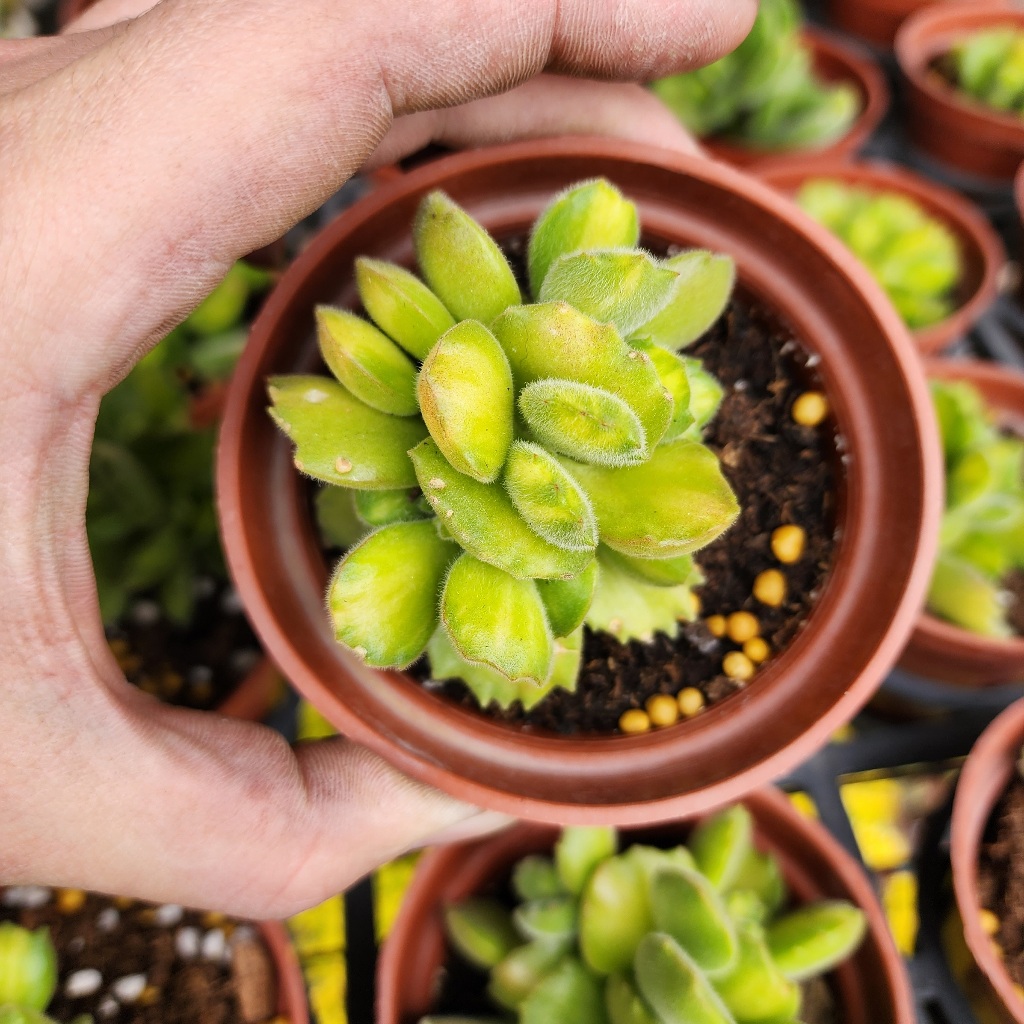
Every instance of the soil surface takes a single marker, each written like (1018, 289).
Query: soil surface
(198, 665)
(782, 473)
(132, 963)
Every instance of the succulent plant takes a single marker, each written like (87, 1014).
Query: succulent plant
(765, 93)
(698, 934)
(521, 467)
(913, 256)
(989, 67)
(28, 967)
(982, 535)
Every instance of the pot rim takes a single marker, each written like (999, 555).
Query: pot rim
(499, 749)
(958, 213)
(768, 806)
(291, 987)
(982, 782)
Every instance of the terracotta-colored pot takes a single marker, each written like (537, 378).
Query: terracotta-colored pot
(255, 695)
(68, 10)
(892, 476)
(985, 776)
(947, 125)
(292, 1004)
(981, 250)
(871, 986)
(874, 20)
(834, 61)
(938, 649)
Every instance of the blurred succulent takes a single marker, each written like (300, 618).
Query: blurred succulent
(28, 968)
(150, 515)
(989, 67)
(913, 256)
(982, 534)
(523, 467)
(693, 935)
(765, 93)
(16, 21)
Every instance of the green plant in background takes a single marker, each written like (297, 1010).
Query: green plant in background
(150, 515)
(982, 534)
(28, 976)
(765, 93)
(698, 934)
(523, 467)
(989, 67)
(913, 256)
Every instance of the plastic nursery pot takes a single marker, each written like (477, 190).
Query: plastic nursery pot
(871, 987)
(947, 125)
(985, 776)
(834, 61)
(888, 505)
(874, 20)
(981, 251)
(938, 649)
(291, 988)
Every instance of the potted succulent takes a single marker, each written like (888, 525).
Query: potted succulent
(986, 851)
(703, 932)
(171, 617)
(877, 21)
(543, 770)
(785, 91)
(933, 252)
(977, 641)
(84, 958)
(959, 60)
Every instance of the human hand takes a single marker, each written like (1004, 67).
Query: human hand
(141, 159)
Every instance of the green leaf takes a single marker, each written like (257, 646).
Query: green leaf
(721, 845)
(401, 305)
(482, 518)
(615, 914)
(567, 601)
(553, 918)
(461, 262)
(28, 966)
(755, 989)
(705, 396)
(465, 393)
(339, 439)
(761, 875)
(481, 930)
(590, 215)
(383, 596)
(813, 939)
(24, 1015)
(224, 306)
(673, 504)
(514, 979)
(382, 508)
(626, 288)
(578, 852)
(624, 1004)
(214, 356)
(699, 296)
(494, 619)
(652, 859)
(674, 986)
(583, 422)
(554, 340)
(549, 499)
(965, 421)
(336, 515)
(536, 878)
(960, 593)
(672, 374)
(661, 572)
(569, 995)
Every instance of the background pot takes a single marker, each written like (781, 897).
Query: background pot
(938, 649)
(852, 637)
(255, 695)
(948, 126)
(834, 61)
(981, 250)
(984, 778)
(874, 20)
(291, 989)
(872, 985)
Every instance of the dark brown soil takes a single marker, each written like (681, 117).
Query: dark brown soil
(207, 977)
(197, 666)
(1014, 584)
(782, 473)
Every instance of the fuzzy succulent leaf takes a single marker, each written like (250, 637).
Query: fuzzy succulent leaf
(552, 918)
(477, 515)
(626, 288)
(755, 989)
(578, 852)
(554, 340)
(812, 939)
(25, 1015)
(568, 601)
(383, 596)
(672, 373)
(536, 878)
(481, 930)
(624, 1003)
(652, 859)
(524, 969)
(761, 875)
(508, 631)
(465, 395)
(699, 296)
(223, 307)
(367, 361)
(674, 986)
(590, 215)
(721, 845)
(673, 504)
(341, 440)
(549, 499)
(401, 305)
(586, 423)
(661, 572)
(962, 594)
(382, 508)
(570, 994)
(705, 396)
(336, 516)
(460, 261)
(615, 914)
(28, 966)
